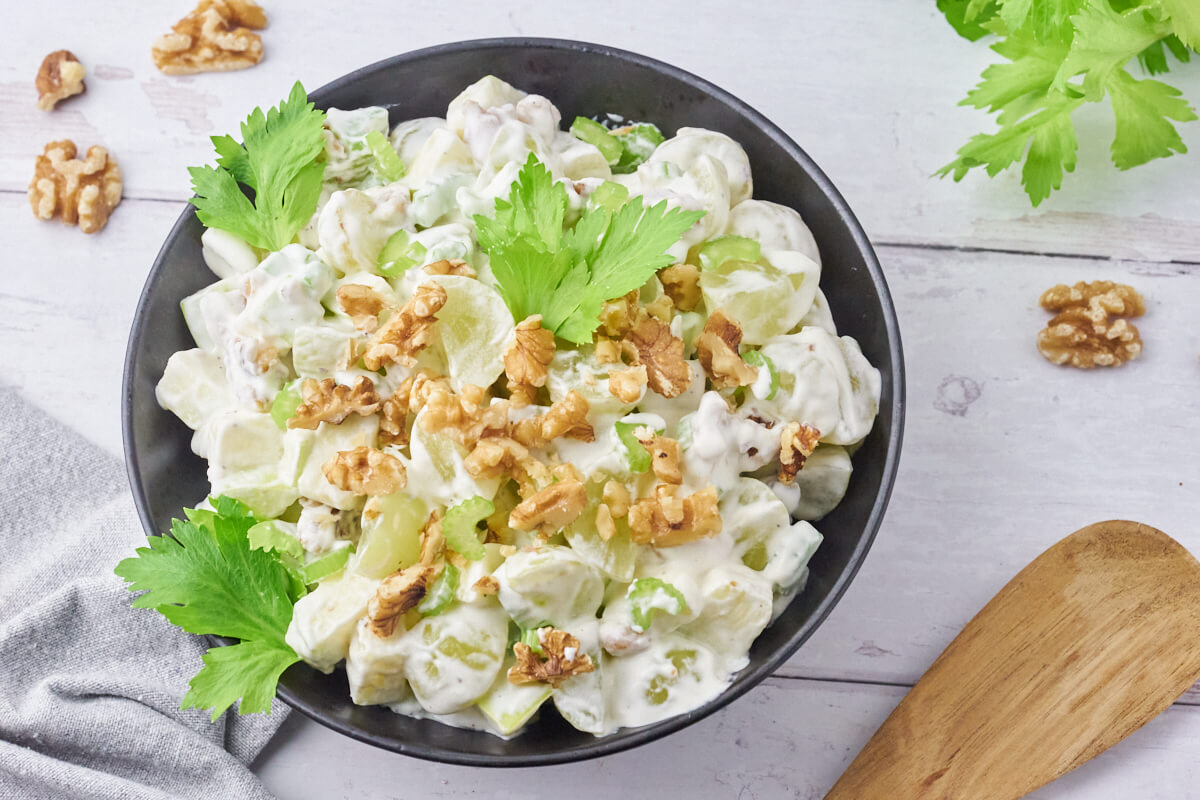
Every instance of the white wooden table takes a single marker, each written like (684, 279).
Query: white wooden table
(1004, 453)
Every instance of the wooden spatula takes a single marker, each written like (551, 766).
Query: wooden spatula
(1088, 643)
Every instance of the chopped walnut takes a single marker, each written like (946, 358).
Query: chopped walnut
(662, 354)
(617, 498)
(486, 586)
(605, 525)
(566, 471)
(79, 191)
(607, 351)
(664, 458)
(466, 417)
(433, 543)
(796, 443)
(329, 401)
(562, 654)
(662, 308)
(408, 331)
(667, 520)
(409, 398)
(628, 385)
(365, 471)
(217, 36)
(568, 417)
(451, 266)
(398, 594)
(717, 348)
(551, 509)
(1082, 334)
(60, 77)
(618, 316)
(363, 304)
(681, 282)
(502, 456)
(526, 359)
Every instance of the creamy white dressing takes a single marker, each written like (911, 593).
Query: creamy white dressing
(266, 325)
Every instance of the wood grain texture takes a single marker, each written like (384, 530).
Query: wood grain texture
(870, 91)
(1092, 640)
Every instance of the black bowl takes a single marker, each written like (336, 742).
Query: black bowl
(581, 79)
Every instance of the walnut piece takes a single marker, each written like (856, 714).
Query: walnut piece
(681, 282)
(1082, 333)
(329, 401)
(662, 354)
(551, 509)
(664, 458)
(568, 417)
(628, 384)
(617, 498)
(486, 586)
(60, 77)
(398, 594)
(433, 543)
(796, 443)
(365, 471)
(667, 520)
(408, 331)
(466, 417)
(618, 316)
(363, 304)
(451, 266)
(607, 351)
(409, 398)
(82, 192)
(217, 36)
(526, 359)
(562, 658)
(717, 348)
(501, 456)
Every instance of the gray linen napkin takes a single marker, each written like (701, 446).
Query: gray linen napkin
(89, 687)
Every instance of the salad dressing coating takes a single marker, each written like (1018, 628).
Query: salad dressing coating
(599, 502)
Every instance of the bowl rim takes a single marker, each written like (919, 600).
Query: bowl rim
(749, 677)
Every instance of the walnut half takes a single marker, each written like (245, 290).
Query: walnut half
(717, 348)
(329, 401)
(398, 594)
(562, 658)
(218, 36)
(60, 77)
(365, 471)
(551, 509)
(662, 354)
(1082, 333)
(82, 192)
(408, 331)
(527, 358)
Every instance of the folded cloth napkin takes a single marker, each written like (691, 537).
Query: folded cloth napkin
(89, 687)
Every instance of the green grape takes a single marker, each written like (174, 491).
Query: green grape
(475, 325)
(390, 540)
(759, 296)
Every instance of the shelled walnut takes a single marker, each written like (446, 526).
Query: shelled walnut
(218, 36)
(1082, 333)
(563, 657)
(60, 77)
(79, 191)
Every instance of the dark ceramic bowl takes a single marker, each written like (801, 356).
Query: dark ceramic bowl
(581, 79)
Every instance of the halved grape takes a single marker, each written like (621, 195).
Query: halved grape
(391, 535)
(759, 296)
(454, 657)
(509, 706)
(475, 325)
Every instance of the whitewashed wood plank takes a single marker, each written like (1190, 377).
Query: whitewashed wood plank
(1004, 453)
(786, 739)
(870, 94)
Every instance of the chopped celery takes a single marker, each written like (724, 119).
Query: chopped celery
(398, 255)
(647, 595)
(610, 195)
(442, 593)
(458, 526)
(529, 636)
(716, 252)
(276, 535)
(637, 455)
(638, 141)
(326, 565)
(757, 359)
(387, 161)
(286, 401)
(596, 134)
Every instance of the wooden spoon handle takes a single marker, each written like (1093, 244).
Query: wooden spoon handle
(1088, 643)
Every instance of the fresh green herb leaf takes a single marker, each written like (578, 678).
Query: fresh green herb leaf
(1047, 20)
(458, 526)
(442, 593)
(595, 134)
(756, 358)
(276, 535)
(285, 403)
(566, 277)
(1104, 42)
(388, 165)
(648, 595)
(1143, 111)
(207, 579)
(968, 16)
(635, 452)
(278, 161)
(1185, 20)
